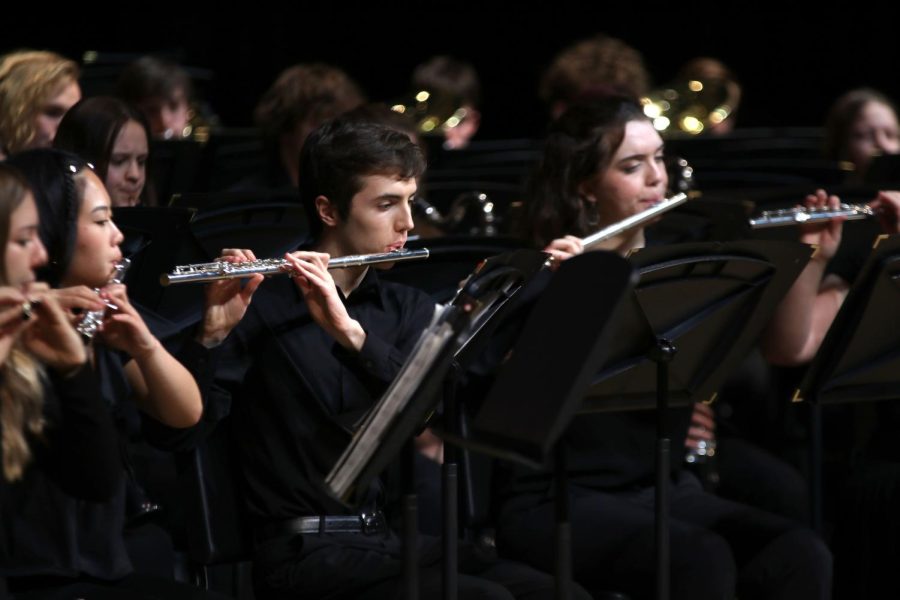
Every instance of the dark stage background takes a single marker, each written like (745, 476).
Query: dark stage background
(791, 67)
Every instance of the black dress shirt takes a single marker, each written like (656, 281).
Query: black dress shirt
(295, 394)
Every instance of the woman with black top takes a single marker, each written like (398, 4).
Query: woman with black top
(135, 372)
(58, 439)
(112, 136)
(603, 163)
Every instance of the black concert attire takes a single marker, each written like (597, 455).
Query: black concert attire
(719, 547)
(61, 546)
(295, 395)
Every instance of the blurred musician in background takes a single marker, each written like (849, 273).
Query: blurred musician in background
(455, 83)
(593, 68)
(36, 90)
(112, 136)
(861, 125)
(164, 93)
(302, 97)
(719, 84)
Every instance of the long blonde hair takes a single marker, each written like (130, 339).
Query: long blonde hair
(28, 78)
(21, 392)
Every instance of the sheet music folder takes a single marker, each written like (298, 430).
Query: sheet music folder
(712, 300)
(859, 359)
(415, 392)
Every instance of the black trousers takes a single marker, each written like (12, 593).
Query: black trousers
(369, 567)
(751, 475)
(133, 587)
(719, 549)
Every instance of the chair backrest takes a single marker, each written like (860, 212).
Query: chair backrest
(218, 531)
(267, 228)
(229, 156)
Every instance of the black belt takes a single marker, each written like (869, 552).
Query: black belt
(365, 523)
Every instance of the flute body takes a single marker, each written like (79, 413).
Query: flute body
(799, 216)
(90, 322)
(213, 271)
(634, 220)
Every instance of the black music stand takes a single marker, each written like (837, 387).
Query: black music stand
(416, 391)
(694, 315)
(859, 359)
(494, 289)
(540, 388)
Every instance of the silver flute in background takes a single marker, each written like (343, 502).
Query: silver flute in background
(799, 216)
(212, 271)
(92, 319)
(640, 218)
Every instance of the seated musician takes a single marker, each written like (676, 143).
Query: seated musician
(601, 164)
(163, 92)
(36, 90)
(861, 125)
(303, 97)
(312, 355)
(455, 81)
(112, 136)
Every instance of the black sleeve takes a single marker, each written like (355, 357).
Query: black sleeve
(379, 360)
(201, 362)
(81, 450)
(215, 370)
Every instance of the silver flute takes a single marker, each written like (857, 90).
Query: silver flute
(220, 269)
(92, 319)
(634, 220)
(799, 216)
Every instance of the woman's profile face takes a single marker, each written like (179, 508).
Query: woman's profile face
(635, 178)
(126, 171)
(97, 244)
(874, 132)
(24, 250)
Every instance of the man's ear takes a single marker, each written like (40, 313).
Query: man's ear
(327, 211)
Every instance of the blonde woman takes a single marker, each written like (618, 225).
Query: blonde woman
(36, 90)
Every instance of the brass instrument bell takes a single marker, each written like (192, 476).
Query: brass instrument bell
(431, 112)
(691, 107)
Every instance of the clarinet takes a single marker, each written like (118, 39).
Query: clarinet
(92, 319)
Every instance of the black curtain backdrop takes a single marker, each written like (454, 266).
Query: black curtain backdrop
(792, 62)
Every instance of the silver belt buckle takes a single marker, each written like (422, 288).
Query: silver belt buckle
(371, 522)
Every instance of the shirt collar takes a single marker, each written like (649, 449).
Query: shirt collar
(369, 289)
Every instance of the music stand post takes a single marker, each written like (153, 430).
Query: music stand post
(389, 427)
(710, 300)
(858, 360)
(539, 388)
(662, 355)
(491, 287)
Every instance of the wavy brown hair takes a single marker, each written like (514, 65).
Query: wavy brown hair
(580, 144)
(21, 397)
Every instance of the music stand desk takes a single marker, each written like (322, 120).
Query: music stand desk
(859, 359)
